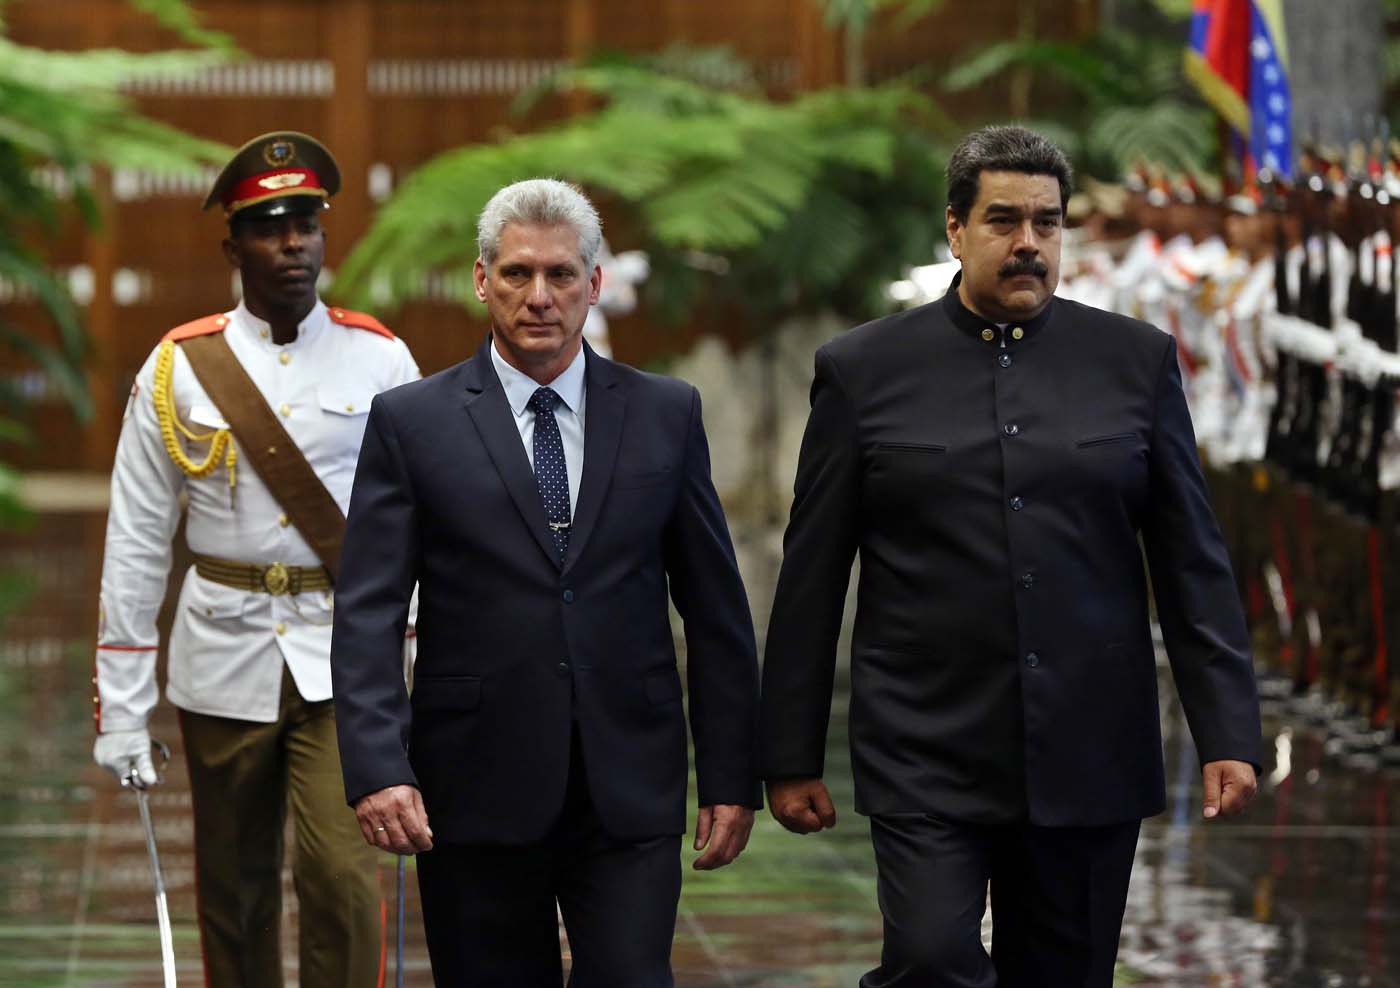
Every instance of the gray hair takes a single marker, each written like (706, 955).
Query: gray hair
(545, 202)
(1003, 149)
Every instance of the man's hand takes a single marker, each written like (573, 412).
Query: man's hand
(127, 755)
(394, 820)
(802, 805)
(725, 829)
(1230, 787)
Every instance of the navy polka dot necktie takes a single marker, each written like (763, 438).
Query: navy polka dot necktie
(551, 472)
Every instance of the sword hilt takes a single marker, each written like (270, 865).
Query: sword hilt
(133, 781)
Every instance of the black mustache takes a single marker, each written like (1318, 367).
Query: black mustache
(1023, 265)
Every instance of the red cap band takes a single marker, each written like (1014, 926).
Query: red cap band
(271, 185)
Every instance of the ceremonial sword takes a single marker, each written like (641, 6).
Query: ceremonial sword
(143, 802)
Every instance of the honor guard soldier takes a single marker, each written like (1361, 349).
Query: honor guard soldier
(255, 416)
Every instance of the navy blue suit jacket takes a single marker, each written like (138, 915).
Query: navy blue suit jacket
(513, 649)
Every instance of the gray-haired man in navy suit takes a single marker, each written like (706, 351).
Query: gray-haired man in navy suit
(545, 500)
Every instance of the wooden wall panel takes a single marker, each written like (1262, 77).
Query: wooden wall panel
(388, 84)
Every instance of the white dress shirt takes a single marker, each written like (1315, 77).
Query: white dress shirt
(568, 413)
(228, 646)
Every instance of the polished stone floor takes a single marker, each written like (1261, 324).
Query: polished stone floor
(1301, 893)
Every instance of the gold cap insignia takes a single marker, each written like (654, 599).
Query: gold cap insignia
(279, 153)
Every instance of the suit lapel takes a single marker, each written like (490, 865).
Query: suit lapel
(490, 412)
(602, 434)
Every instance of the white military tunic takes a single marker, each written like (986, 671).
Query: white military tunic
(228, 646)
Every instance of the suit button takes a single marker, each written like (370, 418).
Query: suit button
(568, 596)
(1032, 659)
(1017, 504)
(562, 670)
(281, 628)
(1011, 429)
(1027, 580)
(1004, 359)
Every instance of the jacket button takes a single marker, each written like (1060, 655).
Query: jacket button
(281, 628)
(1032, 659)
(1027, 580)
(1004, 359)
(562, 670)
(1011, 429)
(568, 596)
(1017, 504)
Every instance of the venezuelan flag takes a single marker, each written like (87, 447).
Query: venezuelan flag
(1237, 56)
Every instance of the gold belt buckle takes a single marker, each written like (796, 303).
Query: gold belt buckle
(276, 579)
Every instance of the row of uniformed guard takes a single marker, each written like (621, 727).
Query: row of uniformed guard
(1283, 300)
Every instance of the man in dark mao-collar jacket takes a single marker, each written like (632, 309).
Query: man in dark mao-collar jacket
(995, 457)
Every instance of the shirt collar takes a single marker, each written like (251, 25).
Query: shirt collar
(986, 331)
(519, 387)
(261, 331)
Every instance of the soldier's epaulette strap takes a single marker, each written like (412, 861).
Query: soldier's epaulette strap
(198, 327)
(359, 320)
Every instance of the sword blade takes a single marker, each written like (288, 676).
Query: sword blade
(167, 942)
(398, 955)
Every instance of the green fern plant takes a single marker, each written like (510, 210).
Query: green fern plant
(66, 109)
(764, 207)
(1129, 99)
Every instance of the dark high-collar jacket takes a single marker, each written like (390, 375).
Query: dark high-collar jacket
(996, 483)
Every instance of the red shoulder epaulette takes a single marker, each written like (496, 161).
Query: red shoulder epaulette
(359, 320)
(199, 327)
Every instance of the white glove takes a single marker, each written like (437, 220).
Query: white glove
(122, 752)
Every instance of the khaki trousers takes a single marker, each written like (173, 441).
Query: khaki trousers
(244, 777)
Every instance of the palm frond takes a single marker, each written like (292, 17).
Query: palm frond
(1132, 99)
(180, 17)
(1091, 77)
(1168, 132)
(22, 267)
(1390, 61)
(96, 70)
(705, 172)
(1177, 10)
(67, 109)
(855, 15)
(61, 372)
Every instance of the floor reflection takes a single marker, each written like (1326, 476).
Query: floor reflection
(1300, 894)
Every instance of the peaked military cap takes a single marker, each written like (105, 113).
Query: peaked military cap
(274, 174)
